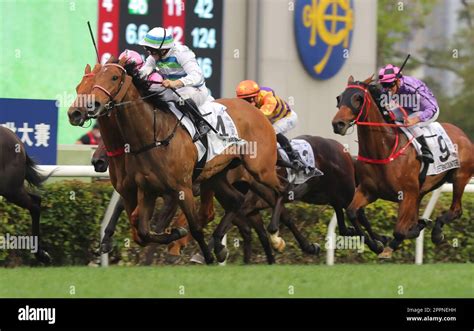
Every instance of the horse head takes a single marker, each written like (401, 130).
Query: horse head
(111, 85)
(352, 102)
(77, 112)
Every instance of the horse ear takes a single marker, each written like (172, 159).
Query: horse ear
(87, 70)
(112, 59)
(122, 61)
(96, 68)
(350, 80)
(369, 80)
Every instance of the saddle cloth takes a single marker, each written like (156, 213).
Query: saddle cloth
(215, 113)
(305, 151)
(444, 151)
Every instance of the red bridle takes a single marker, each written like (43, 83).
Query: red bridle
(118, 151)
(366, 104)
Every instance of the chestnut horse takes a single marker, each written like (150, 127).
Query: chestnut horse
(114, 144)
(168, 168)
(400, 173)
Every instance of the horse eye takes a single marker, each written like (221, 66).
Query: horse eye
(114, 77)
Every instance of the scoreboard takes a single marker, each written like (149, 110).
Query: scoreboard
(194, 23)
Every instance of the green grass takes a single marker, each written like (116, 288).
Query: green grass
(319, 281)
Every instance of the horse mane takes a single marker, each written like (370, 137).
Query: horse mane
(143, 87)
(375, 91)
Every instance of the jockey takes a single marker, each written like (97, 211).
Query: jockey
(422, 108)
(282, 117)
(180, 70)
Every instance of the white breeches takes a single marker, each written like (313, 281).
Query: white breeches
(416, 130)
(286, 123)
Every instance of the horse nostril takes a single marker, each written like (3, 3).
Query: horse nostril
(76, 116)
(338, 126)
(100, 165)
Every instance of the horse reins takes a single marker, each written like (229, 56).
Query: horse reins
(111, 104)
(366, 104)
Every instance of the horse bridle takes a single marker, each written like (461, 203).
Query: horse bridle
(111, 103)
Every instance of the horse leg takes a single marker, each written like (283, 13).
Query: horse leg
(341, 224)
(245, 232)
(407, 218)
(305, 245)
(257, 223)
(359, 201)
(277, 202)
(106, 244)
(460, 181)
(163, 218)
(366, 224)
(146, 206)
(32, 203)
(188, 208)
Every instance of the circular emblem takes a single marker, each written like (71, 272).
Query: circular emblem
(323, 31)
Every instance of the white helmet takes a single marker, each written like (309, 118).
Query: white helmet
(158, 38)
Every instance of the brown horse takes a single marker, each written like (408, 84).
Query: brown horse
(16, 167)
(100, 161)
(398, 177)
(169, 167)
(335, 188)
(115, 148)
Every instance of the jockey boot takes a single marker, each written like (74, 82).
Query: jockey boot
(190, 109)
(425, 151)
(294, 156)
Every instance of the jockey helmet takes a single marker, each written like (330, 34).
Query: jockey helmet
(158, 38)
(388, 74)
(132, 57)
(247, 89)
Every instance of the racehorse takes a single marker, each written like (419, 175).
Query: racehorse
(385, 174)
(169, 167)
(335, 188)
(16, 167)
(228, 197)
(115, 149)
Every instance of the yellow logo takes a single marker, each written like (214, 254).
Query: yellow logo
(315, 17)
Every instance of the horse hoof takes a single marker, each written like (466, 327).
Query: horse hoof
(182, 232)
(172, 259)
(384, 240)
(198, 259)
(386, 254)
(437, 237)
(43, 257)
(222, 255)
(279, 245)
(315, 249)
(105, 247)
(379, 247)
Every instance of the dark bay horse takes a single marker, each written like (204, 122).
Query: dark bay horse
(335, 188)
(114, 144)
(169, 167)
(16, 167)
(399, 176)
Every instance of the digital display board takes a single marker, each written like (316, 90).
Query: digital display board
(195, 23)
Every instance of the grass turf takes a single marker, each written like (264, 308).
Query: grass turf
(318, 281)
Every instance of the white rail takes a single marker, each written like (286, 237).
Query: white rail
(330, 254)
(88, 171)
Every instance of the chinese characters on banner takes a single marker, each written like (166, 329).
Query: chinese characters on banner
(35, 122)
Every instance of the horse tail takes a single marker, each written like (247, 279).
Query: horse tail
(33, 176)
